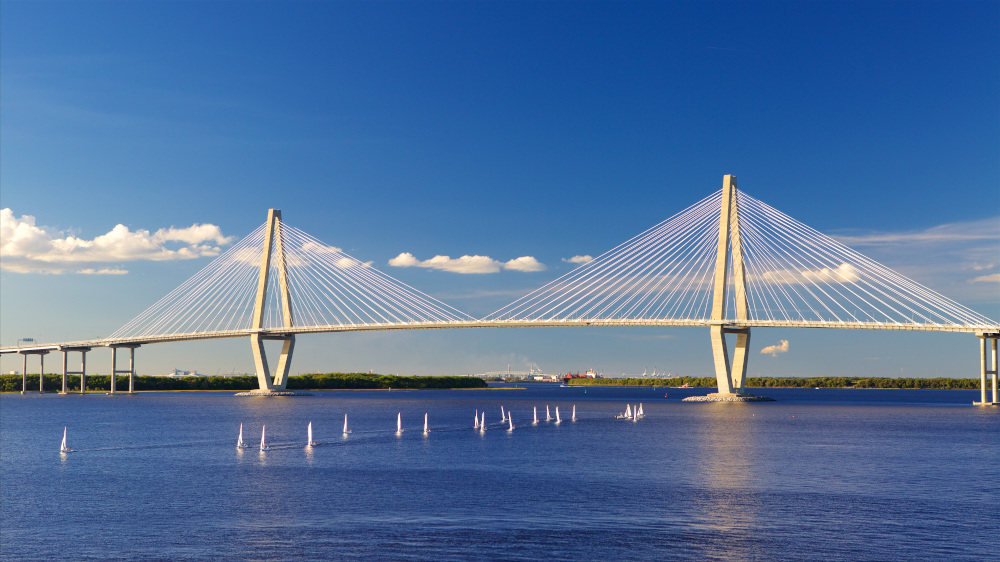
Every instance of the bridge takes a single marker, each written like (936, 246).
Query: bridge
(728, 263)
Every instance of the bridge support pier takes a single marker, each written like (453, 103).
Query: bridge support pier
(264, 378)
(41, 369)
(83, 368)
(730, 376)
(987, 366)
(131, 366)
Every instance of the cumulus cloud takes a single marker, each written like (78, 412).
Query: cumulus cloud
(774, 350)
(991, 278)
(843, 273)
(524, 263)
(579, 259)
(28, 248)
(467, 264)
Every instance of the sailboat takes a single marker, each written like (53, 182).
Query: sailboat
(482, 421)
(548, 416)
(639, 413)
(64, 448)
(627, 415)
(263, 445)
(511, 422)
(503, 416)
(558, 419)
(574, 413)
(309, 438)
(475, 420)
(426, 430)
(399, 422)
(346, 431)
(536, 416)
(240, 443)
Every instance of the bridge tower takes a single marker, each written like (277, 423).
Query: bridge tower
(730, 376)
(273, 243)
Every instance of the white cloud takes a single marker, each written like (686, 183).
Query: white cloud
(991, 278)
(774, 350)
(843, 273)
(579, 259)
(979, 230)
(467, 264)
(524, 263)
(28, 248)
(103, 271)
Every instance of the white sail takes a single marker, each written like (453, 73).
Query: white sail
(64, 448)
(548, 416)
(558, 420)
(628, 410)
(425, 423)
(399, 422)
(475, 420)
(482, 421)
(263, 445)
(640, 412)
(346, 431)
(536, 414)
(503, 416)
(510, 421)
(574, 413)
(309, 435)
(240, 444)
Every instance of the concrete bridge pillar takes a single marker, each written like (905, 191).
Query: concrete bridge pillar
(41, 353)
(131, 366)
(987, 366)
(83, 368)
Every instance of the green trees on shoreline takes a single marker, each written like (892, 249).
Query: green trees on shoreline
(806, 382)
(316, 381)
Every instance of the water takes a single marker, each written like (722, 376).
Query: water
(820, 474)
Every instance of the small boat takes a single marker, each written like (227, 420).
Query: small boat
(503, 416)
(548, 416)
(475, 420)
(426, 430)
(263, 445)
(482, 421)
(574, 413)
(511, 422)
(346, 431)
(64, 448)
(536, 415)
(639, 413)
(309, 436)
(627, 415)
(399, 422)
(558, 419)
(240, 443)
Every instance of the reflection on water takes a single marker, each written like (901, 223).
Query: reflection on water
(726, 459)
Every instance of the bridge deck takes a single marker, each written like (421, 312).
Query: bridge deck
(108, 342)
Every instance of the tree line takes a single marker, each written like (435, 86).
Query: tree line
(315, 381)
(794, 382)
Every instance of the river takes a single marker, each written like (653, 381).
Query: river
(817, 475)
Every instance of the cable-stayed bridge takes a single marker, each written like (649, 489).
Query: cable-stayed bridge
(729, 263)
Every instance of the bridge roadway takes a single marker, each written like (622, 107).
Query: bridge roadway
(144, 340)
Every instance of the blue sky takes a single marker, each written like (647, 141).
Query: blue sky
(504, 130)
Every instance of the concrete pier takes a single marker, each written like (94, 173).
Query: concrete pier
(83, 367)
(987, 367)
(41, 353)
(131, 366)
